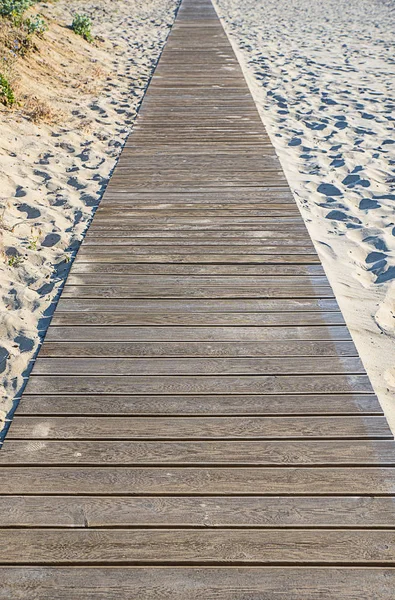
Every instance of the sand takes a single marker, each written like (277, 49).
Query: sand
(323, 77)
(57, 151)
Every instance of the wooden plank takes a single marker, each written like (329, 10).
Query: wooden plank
(197, 366)
(181, 291)
(192, 222)
(188, 181)
(192, 511)
(181, 546)
(264, 259)
(159, 241)
(265, 583)
(244, 306)
(203, 453)
(200, 334)
(196, 269)
(261, 196)
(196, 249)
(102, 318)
(157, 481)
(290, 404)
(197, 349)
(176, 161)
(187, 281)
(168, 384)
(185, 428)
(212, 223)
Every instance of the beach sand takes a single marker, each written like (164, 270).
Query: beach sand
(57, 150)
(323, 77)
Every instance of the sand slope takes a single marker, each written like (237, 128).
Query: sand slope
(323, 76)
(52, 174)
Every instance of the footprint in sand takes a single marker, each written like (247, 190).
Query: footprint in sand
(31, 211)
(20, 192)
(50, 240)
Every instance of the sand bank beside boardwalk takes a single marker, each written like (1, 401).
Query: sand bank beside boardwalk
(323, 77)
(57, 150)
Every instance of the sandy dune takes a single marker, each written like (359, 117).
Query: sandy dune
(53, 173)
(323, 77)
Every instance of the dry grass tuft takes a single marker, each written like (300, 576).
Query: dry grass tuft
(40, 111)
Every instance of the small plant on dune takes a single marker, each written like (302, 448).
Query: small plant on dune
(35, 237)
(15, 261)
(7, 96)
(82, 26)
(14, 8)
(35, 25)
(21, 43)
(40, 111)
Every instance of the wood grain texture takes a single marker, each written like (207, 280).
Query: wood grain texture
(184, 384)
(247, 453)
(197, 511)
(259, 259)
(197, 349)
(197, 366)
(198, 427)
(197, 334)
(282, 270)
(180, 291)
(181, 546)
(110, 405)
(159, 481)
(106, 318)
(186, 583)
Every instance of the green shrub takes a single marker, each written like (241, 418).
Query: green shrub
(82, 26)
(15, 261)
(7, 96)
(14, 8)
(21, 42)
(35, 25)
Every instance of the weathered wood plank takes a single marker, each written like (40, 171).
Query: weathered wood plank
(241, 196)
(54, 428)
(183, 511)
(171, 243)
(232, 305)
(196, 269)
(112, 480)
(200, 334)
(212, 223)
(223, 583)
(168, 384)
(146, 281)
(264, 259)
(196, 349)
(112, 405)
(210, 453)
(102, 317)
(159, 546)
(198, 366)
(140, 212)
(181, 291)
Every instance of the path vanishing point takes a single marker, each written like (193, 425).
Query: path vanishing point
(198, 424)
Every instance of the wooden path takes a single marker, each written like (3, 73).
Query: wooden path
(198, 425)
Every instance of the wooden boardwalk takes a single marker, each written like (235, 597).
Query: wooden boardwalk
(198, 424)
